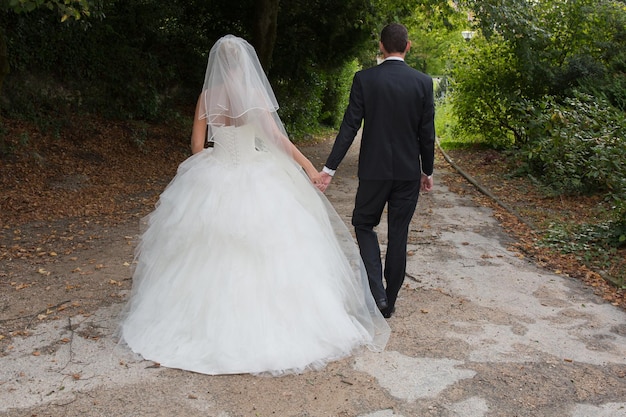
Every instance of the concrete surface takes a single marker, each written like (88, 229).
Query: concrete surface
(479, 332)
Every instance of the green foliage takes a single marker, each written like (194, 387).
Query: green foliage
(139, 135)
(579, 146)
(592, 244)
(66, 8)
(314, 65)
(610, 81)
(316, 98)
(140, 59)
(485, 85)
(548, 79)
(532, 49)
(107, 68)
(148, 56)
(328, 40)
(433, 29)
(533, 58)
(449, 133)
(39, 99)
(301, 103)
(590, 239)
(445, 119)
(337, 93)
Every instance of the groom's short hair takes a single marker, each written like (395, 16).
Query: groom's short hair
(394, 37)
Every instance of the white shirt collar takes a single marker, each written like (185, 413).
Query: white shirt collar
(393, 58)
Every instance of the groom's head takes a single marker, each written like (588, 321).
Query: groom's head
(394, 38)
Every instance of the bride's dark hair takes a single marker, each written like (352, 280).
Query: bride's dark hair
(394, 37)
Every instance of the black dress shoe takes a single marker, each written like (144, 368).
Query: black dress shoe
(382, 304)
(388, 312)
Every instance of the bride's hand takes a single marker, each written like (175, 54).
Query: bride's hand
(315, 178)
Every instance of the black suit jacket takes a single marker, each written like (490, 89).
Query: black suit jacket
(396, 104)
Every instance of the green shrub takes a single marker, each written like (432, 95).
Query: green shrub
(337, 93)
(300, 103)
(579, 147)
(485, 85)
(582, 147)
(593, 244)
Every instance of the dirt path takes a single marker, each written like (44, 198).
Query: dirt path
(479, 331)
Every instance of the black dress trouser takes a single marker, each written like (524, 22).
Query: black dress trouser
(401, 200)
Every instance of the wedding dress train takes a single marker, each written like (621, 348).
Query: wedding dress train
(245, 268)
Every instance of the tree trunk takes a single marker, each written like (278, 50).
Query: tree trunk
(264, 35)
(4, 70)
(4, 58)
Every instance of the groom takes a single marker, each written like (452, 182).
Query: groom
(396, 157)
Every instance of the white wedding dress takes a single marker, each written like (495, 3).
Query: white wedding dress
(242, 270)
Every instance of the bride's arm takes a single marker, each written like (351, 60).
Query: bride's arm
(269, 125)
(299, 157)
(199, 129)
(305, 163)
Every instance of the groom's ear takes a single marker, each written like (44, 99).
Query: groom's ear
(408, 47)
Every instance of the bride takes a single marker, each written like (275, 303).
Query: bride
(244, 266)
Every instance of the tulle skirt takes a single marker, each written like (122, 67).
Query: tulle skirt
(247, 269)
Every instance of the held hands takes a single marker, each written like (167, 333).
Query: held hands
(325, 179)
(315, 178)
(426, 183)
(322, 181)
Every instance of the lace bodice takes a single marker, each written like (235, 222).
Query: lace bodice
(235, 144)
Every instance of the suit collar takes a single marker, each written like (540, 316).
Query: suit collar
(393, 58)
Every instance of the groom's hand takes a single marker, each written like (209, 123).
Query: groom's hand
(426, 183)
(325, 181)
